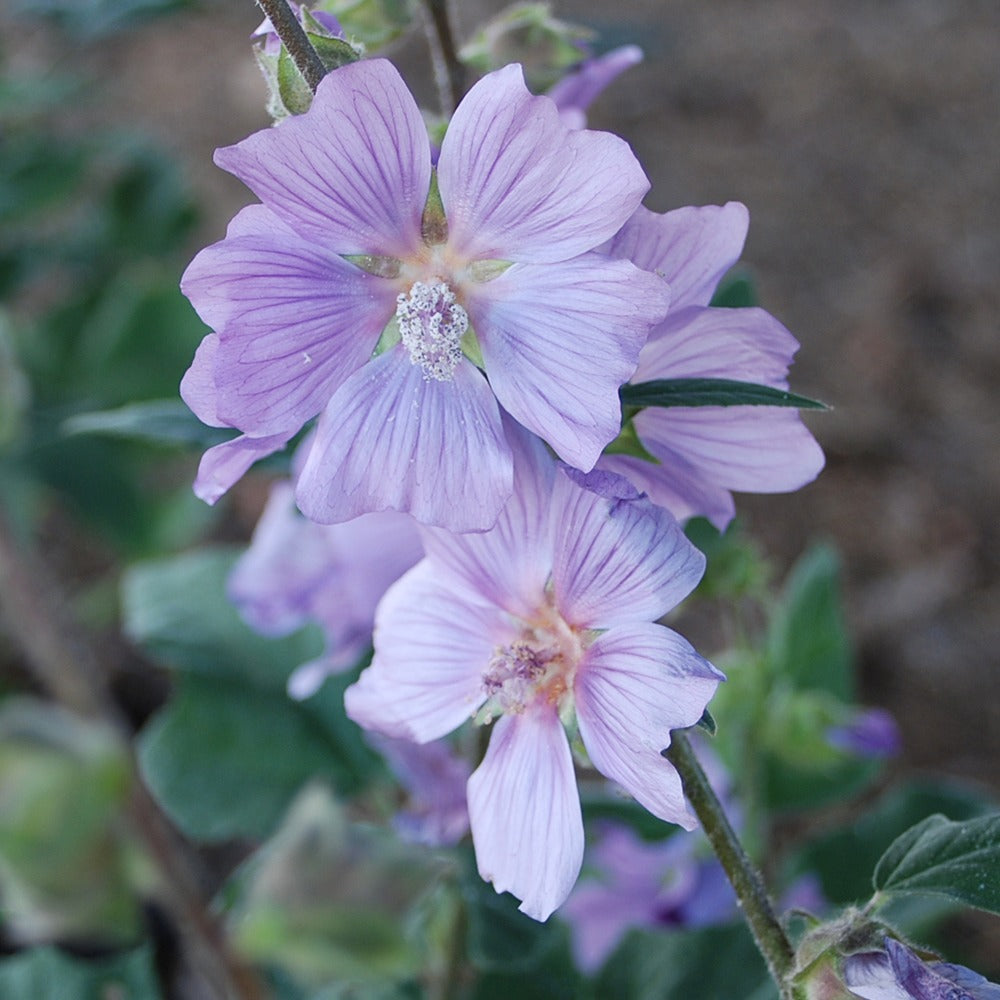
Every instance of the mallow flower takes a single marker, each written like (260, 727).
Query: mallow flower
(579, 88)
(898, 974)
(408, 306)
(296, 572)
(544, 622)
(703, 453)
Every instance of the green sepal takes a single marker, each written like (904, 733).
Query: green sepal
(433, 224)
(629, 443)
(333, 52)
(707, 723)
(667, 392)
(294, 92)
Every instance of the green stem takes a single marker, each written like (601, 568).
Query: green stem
(746, 881)
(293, 36)
(448, 68)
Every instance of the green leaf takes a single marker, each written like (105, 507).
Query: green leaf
(177, 609)
(716, 963)
(333, 52)
(958, 860)
(735, 292)
(844, 858)
(48, 974)
(808, 643)
(292, 87)
(158, 422)
(711, 392)
(225, 759)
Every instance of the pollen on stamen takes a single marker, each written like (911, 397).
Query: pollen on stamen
(431, 326)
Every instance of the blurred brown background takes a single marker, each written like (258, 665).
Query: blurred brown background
(864, 138)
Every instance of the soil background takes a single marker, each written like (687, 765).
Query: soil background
(863, 135)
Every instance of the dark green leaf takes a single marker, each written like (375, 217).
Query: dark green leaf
(844, 858)
(735, 292)
(225, 759)
(707, 723)
(958, 860)
(48, 974)
(158, 421)
(711, 392)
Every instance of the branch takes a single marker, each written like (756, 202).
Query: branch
(293, 36)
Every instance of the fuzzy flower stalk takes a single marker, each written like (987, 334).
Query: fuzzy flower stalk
(408, 305)
(545, 626)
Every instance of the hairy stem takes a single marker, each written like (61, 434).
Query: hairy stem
(448, 69)
(746, 881)
(65, 663)
(292, 34)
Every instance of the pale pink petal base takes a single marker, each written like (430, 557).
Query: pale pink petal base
(637, 683)
(525, 814)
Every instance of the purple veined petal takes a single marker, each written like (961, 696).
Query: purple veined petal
(392, 440)
(524, 810)
(636, 684)
(749, 345)
(869, 975)
(293, 322)
(676, 485)
(692, 247)
(508, 565)
(558, 341)
(617, 560)
(256, 220)
(353, 172)
(752, 449)
(518, 185)
(198, 384)
(575, 92)
(225, 464)
(432, 644)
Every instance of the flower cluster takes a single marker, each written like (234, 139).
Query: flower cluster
(458, 322)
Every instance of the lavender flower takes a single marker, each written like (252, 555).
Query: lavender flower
(576, 91)
(296, 572)
(870, 732)
(543, 621)
(898, 974)
(489, 268)
(705, 452)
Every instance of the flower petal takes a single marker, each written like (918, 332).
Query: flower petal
(692, 247)
(575, 92)
(225, 464)
(558, 341)
(524, 810)
(198, 384)
(636, 683)
(432, 644)
(293, 322)
(618, 558)
(517, 184)
(508, 565)
(392, 440)
(353, 172)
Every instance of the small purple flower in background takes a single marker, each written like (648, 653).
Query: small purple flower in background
(434, 779)
(271, 43)
(545, 620)
(869, 732)
(705, 452)
(352, 253)
(898, 974)
(579, 88)
(296, 572)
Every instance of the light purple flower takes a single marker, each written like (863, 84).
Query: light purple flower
(348, 256)
(706, 452)
(870, 732)
(434, 778)
(578, 89)
(297, 572)
(271, 43)
(898, 974)
(545, 620)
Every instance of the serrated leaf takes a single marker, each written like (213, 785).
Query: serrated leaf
(158, 421)
(666, 392)
(958, 860)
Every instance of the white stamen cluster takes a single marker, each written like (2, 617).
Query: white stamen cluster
(513, 675)
(431, 327)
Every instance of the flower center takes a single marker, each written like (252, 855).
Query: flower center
(431, 325)
(540, 665)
